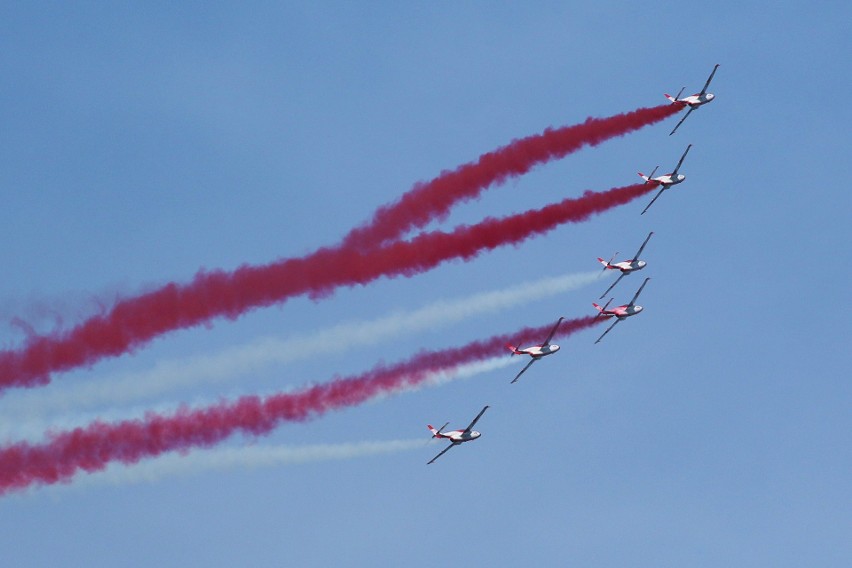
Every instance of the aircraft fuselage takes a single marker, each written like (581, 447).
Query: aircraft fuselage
(627, 266)
(539, 351)
(622, 312)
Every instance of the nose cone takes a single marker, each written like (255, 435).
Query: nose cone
(637, 309)
(710, 96)
(681, 177)
(475, 434)
(554, 348)
(641, 264)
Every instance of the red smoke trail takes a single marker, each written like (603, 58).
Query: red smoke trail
(132, 322)
(435, 198)
(135, 321)
(91, 448)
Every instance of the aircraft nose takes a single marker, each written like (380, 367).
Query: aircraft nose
(554, 347)
(641, 264)
(681, 177)
(475, 434)
(637, 309)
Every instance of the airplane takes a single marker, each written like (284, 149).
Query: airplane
(536, 352)
(625, 266)
(693, 101)
(665, 181)
(456, 437)
(619, 312)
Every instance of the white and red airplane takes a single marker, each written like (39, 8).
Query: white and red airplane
(625, 266)
(620, 312)
(536, 352)
(456, 437)
(665, 181)
(693, 101)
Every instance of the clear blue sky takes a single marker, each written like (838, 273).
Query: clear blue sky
(142, 143)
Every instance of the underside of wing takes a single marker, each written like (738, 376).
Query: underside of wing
(440, 454)
(639, 252)
(680, 162)
(552, 331)
(710, 78)
(611, 286)
(681, 120)
(607, 330)
(636, 295)
(527, 366)
(475, 420)
(659, 193)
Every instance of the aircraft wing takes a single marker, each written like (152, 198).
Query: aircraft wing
(679, 162)
(478, 416)
(681, 120)
(710, 78)
(440, 454)
(639, 252)
(552, 331)
(527, 366)
(639, 291)
(659, 193)
(611, 286)
(607, 330)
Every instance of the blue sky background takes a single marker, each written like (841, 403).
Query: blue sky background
(143, 142)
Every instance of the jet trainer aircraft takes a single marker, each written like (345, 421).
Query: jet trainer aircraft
(620, 312)
(625, 266)
(665, 181)
(693, 101)
(536, 352)
(456, 437)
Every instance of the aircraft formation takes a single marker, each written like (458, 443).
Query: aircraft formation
(625, 267)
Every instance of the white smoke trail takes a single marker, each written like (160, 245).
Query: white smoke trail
(201, 460)
(253, 456)
(33, 428)
(230, 363)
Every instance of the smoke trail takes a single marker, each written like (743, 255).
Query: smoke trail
(22, 410)
(93, 447)
(133, 322)
(85, 344)
(254, 456)
(423, 203)
(246, 457)
(434, 199)
(23, 426)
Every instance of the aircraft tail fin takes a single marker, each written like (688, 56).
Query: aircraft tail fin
(607, 264)
(513, 349)
(436, 433)
(602, 309)
(675, 98)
